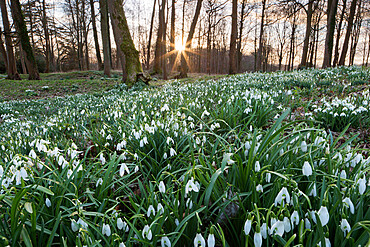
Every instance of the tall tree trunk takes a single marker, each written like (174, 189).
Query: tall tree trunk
(159, 43)
(85, 35)
(348, 32)
(234, 34)
(22, 56)
(260, 46)
(12, 69)
(150, 36)
(95, 34)
(47, 38)
(307, 35)
(328, 50)
(105, 37)
(124, 42)
(339, 31)
(3, 51)
(184, 65)
(172, 34)
(239, 45)
(33, 73)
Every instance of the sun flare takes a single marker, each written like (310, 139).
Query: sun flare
(179, 46)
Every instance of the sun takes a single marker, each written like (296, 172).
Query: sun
(179, 46)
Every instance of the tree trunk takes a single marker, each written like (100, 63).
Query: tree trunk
(172, 34)
(124, 42)
(260, 46)
(23, 62)
(95, 34)
(184, 65)
(328, 50)
(3, 51)
(12, 69)
(307, 35)
(47, 41)
(348, 33)
(339, 31)
(105, 37)
(159, 43)
(239, 45)
(150, 36)
(33, 73)
(234, 34)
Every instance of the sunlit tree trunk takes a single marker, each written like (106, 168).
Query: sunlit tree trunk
(172, 34)
(33, 73)
(239, 45)
(307, 34)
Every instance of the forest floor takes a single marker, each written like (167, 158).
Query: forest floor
(70, 83)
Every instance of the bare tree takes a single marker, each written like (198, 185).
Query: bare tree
(234, 34)
(328, 50)
(95, 34)
(105, 37)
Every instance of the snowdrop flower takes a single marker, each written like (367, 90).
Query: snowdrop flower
(323, 215)
(247, 226)
(102, 159)
(162, 187)
(287, 226)
(47, 202)
(327, 243)
(172, 152)
(99, 182)
(211, 240)
(343, 174)
(294, 218)
(160, 208)
(191, 186)
(189, 203)
(119, 223)
(32, 154)
(304, 146)
(257, 239)
(361, 185)
(199, 241)
(259, 188)
(264, 230)
(268, 177)
(165, 241)
(69, 173)
(123, 169)
(147, 233)
(106, 230)
(1, 171)
(277, 228)
(344, 225)
(283, 195)
(348, 204)
(121, 245)
(150, 211)
(313, 191)
(257, 166)
(307, 223)
(307, 169)
(165, 156)
(74, 225)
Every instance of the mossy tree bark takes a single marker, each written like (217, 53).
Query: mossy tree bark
(124, 41)
(20, 25)
(12, 69)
